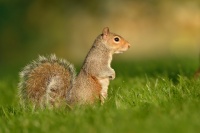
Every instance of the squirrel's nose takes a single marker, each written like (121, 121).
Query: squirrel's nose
(129, 45)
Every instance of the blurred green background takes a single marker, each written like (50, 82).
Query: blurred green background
(155, 28)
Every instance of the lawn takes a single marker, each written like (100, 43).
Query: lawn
(147, 96)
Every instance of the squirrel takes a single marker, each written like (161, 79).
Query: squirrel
(52, 82)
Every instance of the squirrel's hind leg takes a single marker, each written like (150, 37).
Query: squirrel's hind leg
(55, 92)
(52, 91)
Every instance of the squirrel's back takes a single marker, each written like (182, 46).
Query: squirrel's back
(45, 82)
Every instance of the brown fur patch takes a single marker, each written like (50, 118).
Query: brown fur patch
(96, 88)
(39, 79)
(197, 74)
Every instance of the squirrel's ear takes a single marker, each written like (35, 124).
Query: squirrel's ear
(105, 32)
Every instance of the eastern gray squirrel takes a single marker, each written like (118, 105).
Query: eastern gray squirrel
(52, 82)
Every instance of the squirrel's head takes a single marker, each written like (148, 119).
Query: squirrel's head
(114, 42)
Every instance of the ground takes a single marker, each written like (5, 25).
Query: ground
(146, 96)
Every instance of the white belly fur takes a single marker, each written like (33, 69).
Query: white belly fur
(104, 84)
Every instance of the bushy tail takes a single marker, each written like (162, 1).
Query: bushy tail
(45, 82)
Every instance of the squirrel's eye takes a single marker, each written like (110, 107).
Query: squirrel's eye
(116, 39)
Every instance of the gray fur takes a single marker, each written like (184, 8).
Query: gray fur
(96, 64)
(90, 85)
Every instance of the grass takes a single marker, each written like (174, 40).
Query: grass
(146, 96)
